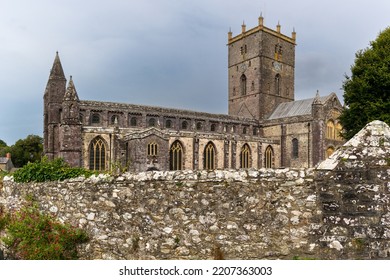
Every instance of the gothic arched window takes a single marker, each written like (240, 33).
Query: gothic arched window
(168, 124)
(243, 84)
(269, 157)
(184, 125)
(133, 121)
(295, 148)
(209, 156)
(213, 127)
(198, 126)
(152, 122)
(95, 118)
(114, 119)
(330, 129)
(97, 154)
(245, 156)
(176, 156)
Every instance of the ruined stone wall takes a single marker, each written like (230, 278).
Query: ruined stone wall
(252, 214)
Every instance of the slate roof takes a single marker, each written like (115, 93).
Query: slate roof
(295, 108)
(3, 160)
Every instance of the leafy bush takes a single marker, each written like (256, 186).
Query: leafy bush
(31, 235)
(45, 170)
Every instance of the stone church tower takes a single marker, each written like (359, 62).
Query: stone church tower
(261, 64)
(62, 125)
(52, 99)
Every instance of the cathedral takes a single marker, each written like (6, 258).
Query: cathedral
(265, 125)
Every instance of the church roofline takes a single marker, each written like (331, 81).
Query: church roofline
(261, 27)
(155, 110)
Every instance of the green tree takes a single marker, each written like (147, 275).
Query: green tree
(367, 90)
(27, 150)
(2, 144)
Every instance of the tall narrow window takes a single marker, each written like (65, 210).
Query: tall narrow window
(97, 154)
(295, 148)
(209, 156)
(176, 156)
(245, 157)
(213, 127)
(152, 149)
(269, 157)
(277, 84)
(198, 126)
(243, 84)
(338, 131)
(330, 129)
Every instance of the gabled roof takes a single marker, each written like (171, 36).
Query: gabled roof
(3, 160)
(297, 108)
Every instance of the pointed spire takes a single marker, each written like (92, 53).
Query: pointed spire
(56, 71)
(278, 27)
(71, 93)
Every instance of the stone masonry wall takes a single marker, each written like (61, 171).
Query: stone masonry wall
(341, 210)
(253, 214)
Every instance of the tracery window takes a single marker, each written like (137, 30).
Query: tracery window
(209, 156)
(245, 157)
(269, 157)
(97, 154)
(176, 156)
(152, 149)
(295, 148)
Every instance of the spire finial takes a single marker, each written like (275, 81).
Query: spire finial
(261, 19)
(294, 34)
(243, 27)
(230, 34)
(278, 27)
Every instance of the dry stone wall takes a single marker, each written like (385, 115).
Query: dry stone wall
(338, 211)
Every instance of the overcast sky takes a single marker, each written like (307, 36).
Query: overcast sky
(169, 53)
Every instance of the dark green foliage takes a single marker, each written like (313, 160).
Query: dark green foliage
(31, 235)
(25, 150)
(56, 170)
(367, 91)
(2, 144)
